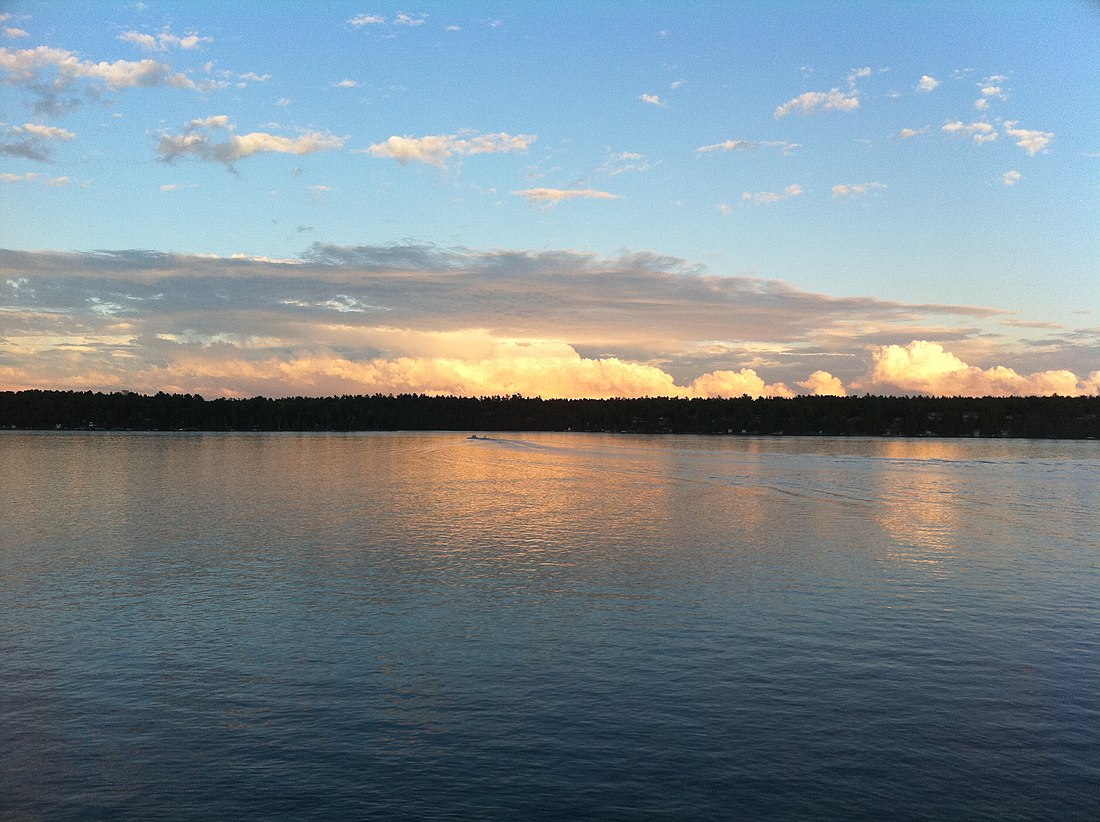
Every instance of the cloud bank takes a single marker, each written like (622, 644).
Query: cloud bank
(455, 321)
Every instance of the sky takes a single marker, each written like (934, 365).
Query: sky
(567, 199)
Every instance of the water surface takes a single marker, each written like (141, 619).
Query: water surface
(548, 626)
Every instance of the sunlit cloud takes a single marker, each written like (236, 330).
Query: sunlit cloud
(855, 189)
(823, 384)
(927, 83)
(832, 100)
(417, 317)
(767, 197)
(980, 132)
(1030, 141)
(1011, 177)
(196, 142)
(909, 133)
(923, 367)
(652, 99)
(59, 68)
(437, 149)
(164, 40)
(553, 196)
(15, 33)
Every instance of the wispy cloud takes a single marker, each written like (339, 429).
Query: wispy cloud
(197, 142)
(811, 101)
(14, 33)
(1010, 178)
(164, 40)
(909, 133)
(855, 189)
(400, 19)
(747, 145)
(768, 197)
(437, 149)
(553, 196)
(361, 20)
(652, 99)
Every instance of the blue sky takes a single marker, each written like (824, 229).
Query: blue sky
(578, 199)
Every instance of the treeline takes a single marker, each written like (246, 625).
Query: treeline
(1042, 417)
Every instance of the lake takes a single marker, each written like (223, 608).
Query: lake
(547, 626)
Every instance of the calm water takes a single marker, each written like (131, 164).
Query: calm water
(548, 627)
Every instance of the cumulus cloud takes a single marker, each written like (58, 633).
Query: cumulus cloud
(164, 40)
(823, 384)
(924, 367)
(436, 320)
(14, 33)
(927, 83)
(59, 69)
(652, 99)
(766, 197)
(832, 100)
(855, 189)
(196, 142)
(1030, 141)
(1011, 177)
(980, 132)
(908, 133)
(747, 145)
(553, 196)
(437, 149)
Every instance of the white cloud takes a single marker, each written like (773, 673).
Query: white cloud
(858, 74)
(436, 149)
(1030, 141)
(58, 182)
(854, 189)
(765, 197)
(361, 20)
(11, 31)
(346, 84)
(924, 367)
(981, 132)
(1011, 177)
(746, 145)
(725, 208)
(907, 133)
(29, 66)
(832, 100)
(8, 177)
(44, 132)
(404, 19)
(652, 99)
(927, 83)
(197, 145)
(981, 104)
(553, 196)
(164, 41)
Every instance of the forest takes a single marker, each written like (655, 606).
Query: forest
(906, 416)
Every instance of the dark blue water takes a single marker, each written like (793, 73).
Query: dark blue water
(548, 627)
